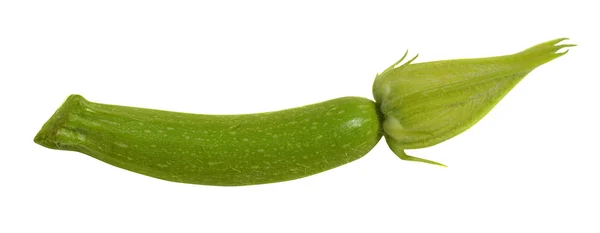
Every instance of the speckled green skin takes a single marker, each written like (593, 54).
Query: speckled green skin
(222, 150)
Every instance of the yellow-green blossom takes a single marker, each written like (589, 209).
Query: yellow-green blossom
(427, 103)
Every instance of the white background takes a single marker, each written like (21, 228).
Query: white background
(531, 165)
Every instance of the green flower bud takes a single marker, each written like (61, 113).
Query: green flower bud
(424, 104)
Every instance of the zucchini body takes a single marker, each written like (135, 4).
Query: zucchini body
(223, 150)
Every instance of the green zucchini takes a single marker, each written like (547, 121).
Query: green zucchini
(418, 105)
(224, 150)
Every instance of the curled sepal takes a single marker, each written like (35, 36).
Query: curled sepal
(399, 151)
(424, 104)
